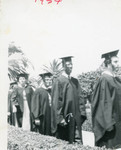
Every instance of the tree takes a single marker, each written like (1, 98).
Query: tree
(17, 61)
(12, 49)
(55, 68)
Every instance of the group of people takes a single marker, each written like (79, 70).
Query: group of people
(58, 107)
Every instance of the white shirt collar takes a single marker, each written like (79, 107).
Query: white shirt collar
(66, 75)
(46, 88)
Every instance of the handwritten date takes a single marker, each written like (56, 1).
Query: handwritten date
(49, 1)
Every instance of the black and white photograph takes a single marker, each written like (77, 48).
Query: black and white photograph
(60, 75)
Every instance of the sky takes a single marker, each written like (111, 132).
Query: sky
(82, 28)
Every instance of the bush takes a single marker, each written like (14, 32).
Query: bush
(25, 140)
(87, 125)
(87, 81)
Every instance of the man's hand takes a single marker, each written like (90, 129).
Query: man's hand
(37, 122)
(63, 123)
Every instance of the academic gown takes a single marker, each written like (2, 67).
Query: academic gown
(106, 112)
(41, 110)
(18, 98)
(67, 104)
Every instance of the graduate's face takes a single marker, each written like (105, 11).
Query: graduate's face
(22, 81)
(115, 63)
(48, 81)
(68, 66)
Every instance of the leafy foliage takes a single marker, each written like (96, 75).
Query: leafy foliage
(87, 82)
(17, 62)
(55, 68)
(13, 49)
(25, 140)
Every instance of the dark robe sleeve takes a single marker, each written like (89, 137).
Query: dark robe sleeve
(14, 97)
(35, 108)
(9, 101)
(13, 101)
(40, 110)
(35, 105)
(9, 107)
(57, 105)
(102, 106)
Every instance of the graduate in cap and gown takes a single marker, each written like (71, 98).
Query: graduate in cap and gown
(106, 105)
(22, 97)
(68, 106)
(41, 106)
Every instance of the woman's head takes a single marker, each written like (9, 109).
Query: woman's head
(22, 79)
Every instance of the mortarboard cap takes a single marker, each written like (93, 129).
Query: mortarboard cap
(45, 74)
(66, 58)
(22, 75)
(110, 54)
